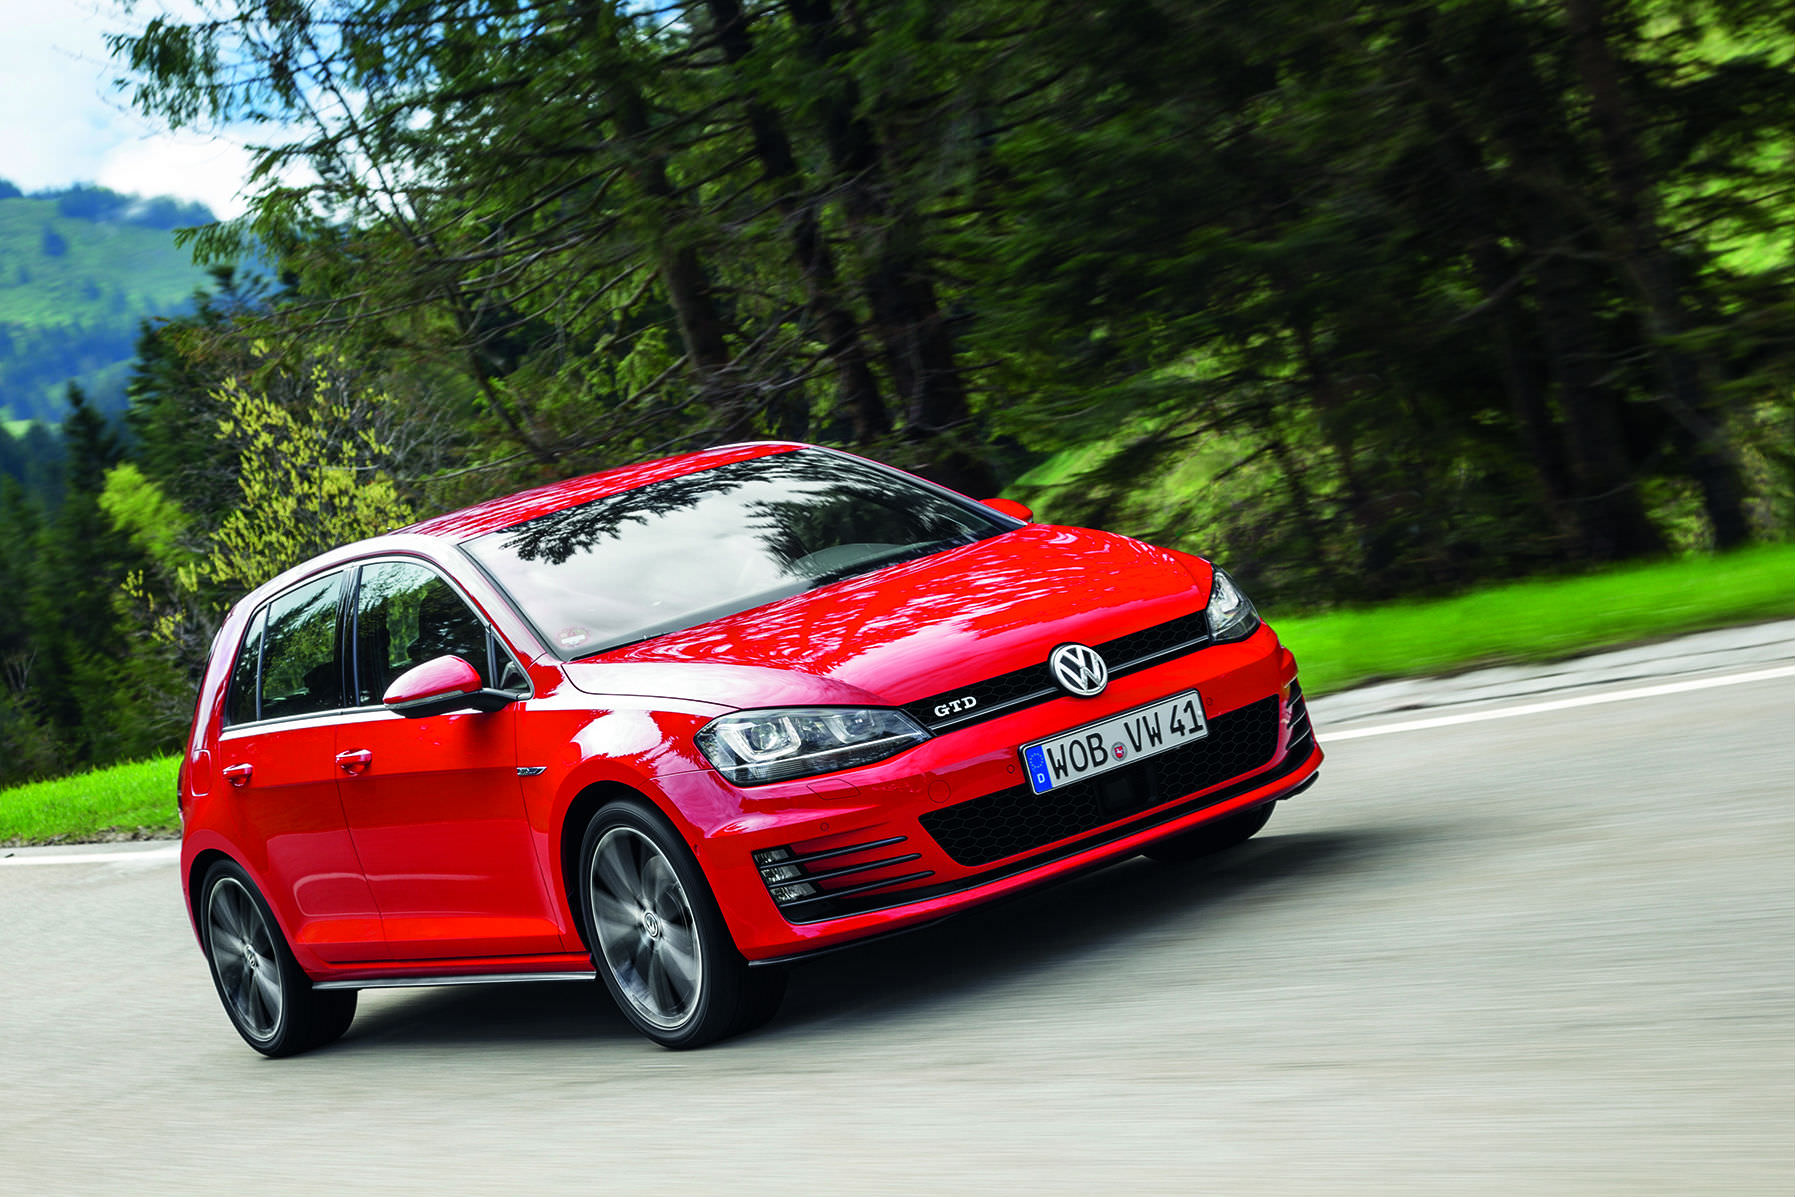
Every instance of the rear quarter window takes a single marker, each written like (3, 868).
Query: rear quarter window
(240, 703)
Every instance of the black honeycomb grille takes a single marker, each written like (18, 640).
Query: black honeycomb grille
(1018, 820)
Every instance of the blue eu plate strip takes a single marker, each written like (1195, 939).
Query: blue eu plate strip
(1036, 760)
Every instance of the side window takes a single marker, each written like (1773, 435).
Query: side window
(300, 672)
(240, 704)
(406, 615)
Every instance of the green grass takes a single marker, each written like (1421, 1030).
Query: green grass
(1526, 621)
(107, 803)
(1540, 620)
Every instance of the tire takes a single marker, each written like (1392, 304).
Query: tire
(657, 939)
(267, 996)
(1230, 831)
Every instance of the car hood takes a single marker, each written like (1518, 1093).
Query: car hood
(915, 629)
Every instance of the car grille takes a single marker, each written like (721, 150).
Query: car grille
(1025, 687)
(1018, 820)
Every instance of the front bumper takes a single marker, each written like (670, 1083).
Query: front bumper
(911, 840)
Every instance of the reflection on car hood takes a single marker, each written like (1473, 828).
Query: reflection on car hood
(914, 629)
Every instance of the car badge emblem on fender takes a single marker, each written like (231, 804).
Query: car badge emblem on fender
(1079, 669)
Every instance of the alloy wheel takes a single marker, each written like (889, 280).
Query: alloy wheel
(246, 959)
(647, 933)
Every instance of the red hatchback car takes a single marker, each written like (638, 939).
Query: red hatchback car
(681, 723)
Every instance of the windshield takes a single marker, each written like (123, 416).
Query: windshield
(687, 550)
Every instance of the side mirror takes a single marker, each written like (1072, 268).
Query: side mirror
(1011, 508)
(439, 686)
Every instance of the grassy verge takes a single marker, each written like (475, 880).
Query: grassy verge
(123, 802)
(1542, 619)
(1526, 621)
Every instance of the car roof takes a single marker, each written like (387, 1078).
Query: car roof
(504, 512)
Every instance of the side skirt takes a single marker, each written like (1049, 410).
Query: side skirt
(457, 979)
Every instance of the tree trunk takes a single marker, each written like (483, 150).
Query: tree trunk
(1648, 266)
(907, 317)
(1609, 508)
(857, 391)
(1523, 374)
(702, 329)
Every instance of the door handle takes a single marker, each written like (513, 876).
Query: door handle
(237, 775)
(355, 760)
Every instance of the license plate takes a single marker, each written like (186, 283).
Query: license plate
(1111, 743)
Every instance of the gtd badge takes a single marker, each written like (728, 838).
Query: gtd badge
(955, 706)
(1079, 669)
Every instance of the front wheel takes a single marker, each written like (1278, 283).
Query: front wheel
(269, 998)
(1229, 831)
(657, 938)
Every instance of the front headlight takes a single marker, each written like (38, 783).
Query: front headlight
(755, 747)
(1231, 613)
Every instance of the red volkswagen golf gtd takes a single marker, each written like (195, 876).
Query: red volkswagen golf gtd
(681, 723)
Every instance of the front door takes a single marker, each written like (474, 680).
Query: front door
(434, 804)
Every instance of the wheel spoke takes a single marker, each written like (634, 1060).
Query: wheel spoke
(268, 991)
(224, 916)
(618, 872)
(614, 918)
(660, 992)
(681, 963)
(227, 949)
(660, 887)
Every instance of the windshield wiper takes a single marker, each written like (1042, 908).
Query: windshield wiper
(909, 553)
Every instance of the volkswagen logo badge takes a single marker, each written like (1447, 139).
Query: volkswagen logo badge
(1079, 668)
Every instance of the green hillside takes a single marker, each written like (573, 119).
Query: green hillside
(79, 270)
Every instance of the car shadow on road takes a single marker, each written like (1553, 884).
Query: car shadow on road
(475, 1015)
(1125, 905)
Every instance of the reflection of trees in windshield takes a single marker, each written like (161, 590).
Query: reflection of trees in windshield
(686, 550)
(560, 535)
(818, 501)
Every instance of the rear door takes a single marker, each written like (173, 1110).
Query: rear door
(275, 758)
(434, 804)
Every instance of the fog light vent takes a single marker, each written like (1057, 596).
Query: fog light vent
(796, 880)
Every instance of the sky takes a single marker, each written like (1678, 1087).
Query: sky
(62, 121)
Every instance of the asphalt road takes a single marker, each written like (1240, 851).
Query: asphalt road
(1547, 953)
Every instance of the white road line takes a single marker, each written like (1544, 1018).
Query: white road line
(149, 856)
(1560, 704)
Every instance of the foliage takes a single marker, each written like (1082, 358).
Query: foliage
(311, 476)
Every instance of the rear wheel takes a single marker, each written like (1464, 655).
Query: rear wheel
(267, 995)
(657, 938)
(1229, 831)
